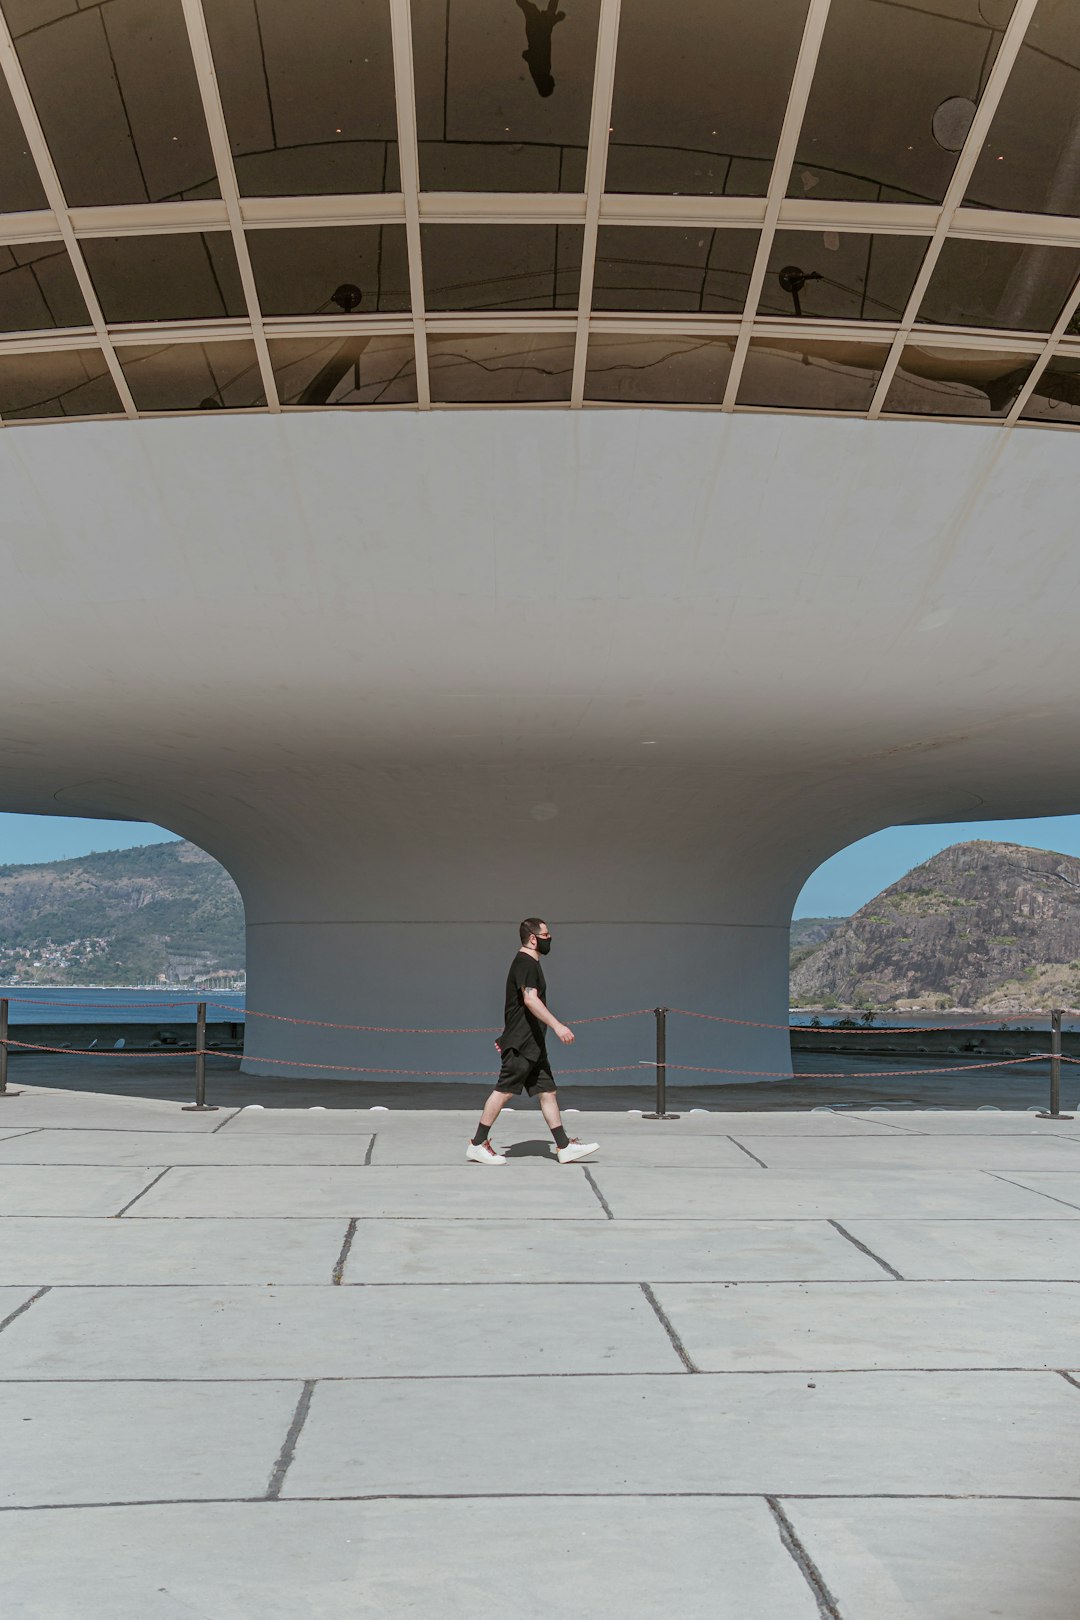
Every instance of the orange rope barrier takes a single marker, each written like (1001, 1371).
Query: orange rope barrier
(865, 1074)
(395, 1029)
(295, 1063)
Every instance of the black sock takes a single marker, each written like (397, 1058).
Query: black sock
(559, 1133)
(481, 1134)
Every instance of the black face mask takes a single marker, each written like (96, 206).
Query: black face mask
(543, 946)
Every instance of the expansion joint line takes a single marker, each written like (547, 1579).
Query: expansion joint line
(662, 1317)
(339, 1266)
(884, 1264)
(604, 1205)
(748, 1153)
(25, 1306)
(143, 1193)
(225, 1121)
(826, 1603)
(288, 1449)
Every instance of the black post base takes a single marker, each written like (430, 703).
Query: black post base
(1044, 1114)
(661, 1116)
(199, 1108)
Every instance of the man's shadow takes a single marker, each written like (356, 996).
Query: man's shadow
(529, 1150)
(539, 26)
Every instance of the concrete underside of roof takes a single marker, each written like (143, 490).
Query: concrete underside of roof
(412, 677)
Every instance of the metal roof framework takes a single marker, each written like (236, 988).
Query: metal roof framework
(242, 217)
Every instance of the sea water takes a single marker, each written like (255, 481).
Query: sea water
(76, 1004)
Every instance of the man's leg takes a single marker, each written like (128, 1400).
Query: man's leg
(568, 1149)
(492, 1109)
(549, 1107)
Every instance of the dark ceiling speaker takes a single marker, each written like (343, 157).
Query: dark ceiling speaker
(951, 122)
(793, 280)
(347, 297)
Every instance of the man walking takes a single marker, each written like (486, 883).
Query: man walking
(524, 1053)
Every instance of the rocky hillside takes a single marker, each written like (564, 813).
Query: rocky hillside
(807, 933)
(128, 916)
(995, 927)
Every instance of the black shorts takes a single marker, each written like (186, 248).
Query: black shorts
(524, 1073)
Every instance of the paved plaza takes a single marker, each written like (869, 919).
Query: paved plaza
(308, 1364)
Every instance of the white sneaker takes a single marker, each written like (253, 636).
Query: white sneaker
(484, 1153)
(575, 1150)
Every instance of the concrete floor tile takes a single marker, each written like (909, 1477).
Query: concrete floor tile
(968, 1122)
(293, 1123)
(520, 1144)
(603, 1251)
(441, 1192)
(412, 1126)
(1060, 1185)
(557, 1559)
(85, 1442)
(803, 1122)
(170, 1147)
(780, 1326)
(43, 1251)
(911, 1560)
(1012, 1250)
(1027, 1151)
(283, 1332)
(834, 1433)
(95, 1111)
(661, 1194)
(29, 1189)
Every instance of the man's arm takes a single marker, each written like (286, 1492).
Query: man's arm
(532, 1001)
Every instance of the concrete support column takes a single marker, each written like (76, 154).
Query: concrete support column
(393, 899)
(452, 973)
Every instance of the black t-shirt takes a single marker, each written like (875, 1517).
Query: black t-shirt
(522, 1032)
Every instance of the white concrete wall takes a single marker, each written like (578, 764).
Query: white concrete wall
(411, 677)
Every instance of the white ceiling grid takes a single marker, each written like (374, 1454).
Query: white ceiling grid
(415, 328)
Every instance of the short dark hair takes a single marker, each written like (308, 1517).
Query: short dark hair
(531, 925)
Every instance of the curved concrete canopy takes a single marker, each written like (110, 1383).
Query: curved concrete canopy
(412, 677)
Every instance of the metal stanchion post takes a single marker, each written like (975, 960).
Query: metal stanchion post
(661, 1067)
(200, 1105)
(4, 1092)
(1055, 1070)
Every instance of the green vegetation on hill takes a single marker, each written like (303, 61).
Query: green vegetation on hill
(129, 916)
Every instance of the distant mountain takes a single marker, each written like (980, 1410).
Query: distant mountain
(129, 916)
(994, 927)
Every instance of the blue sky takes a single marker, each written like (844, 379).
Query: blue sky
(839, 887)
(848, 880)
